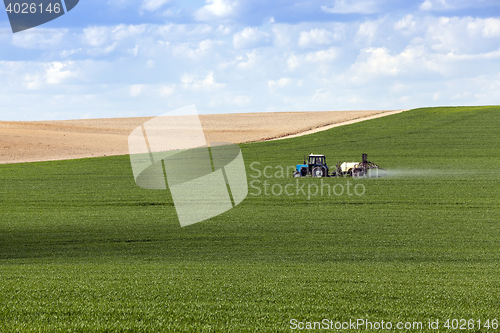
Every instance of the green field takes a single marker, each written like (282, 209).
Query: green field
(82, 248)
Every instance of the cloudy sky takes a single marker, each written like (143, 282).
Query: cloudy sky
(122, 58)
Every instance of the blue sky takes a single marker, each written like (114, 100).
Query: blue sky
(123, 58)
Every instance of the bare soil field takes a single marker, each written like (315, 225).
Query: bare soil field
(70, 139)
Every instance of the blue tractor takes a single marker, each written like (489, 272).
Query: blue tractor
(315, 167)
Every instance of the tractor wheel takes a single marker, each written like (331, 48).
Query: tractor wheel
(318, 172)
(296, 174)
(357, 173)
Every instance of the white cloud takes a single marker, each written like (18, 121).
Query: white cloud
(95, 36)
(407, 23)
(181, 32)
(282, 36)
(292, 62)
(206, 44)
(225, 30)
(442, 5)
(200, 83)
(417, 61)
(109, 49)
(487, 28)
(104, 40)
(215, 9)
(46, 39)
(369, 29)
(318, 37)
(134, 51)
(167, 90)
(33, 82)
(124, 31)
(67, 53)
(241, 100)
(230, 100)
(250, 62)
(55, 72)
(283, 82)
(351, 7)
(136, 90)
(435, 5)
(322, 56)
(321, 94)
(152, 5)
(449, 57)
(249, 37)
(398, 88)
(461, 35)
(377, 61)
(185, 50)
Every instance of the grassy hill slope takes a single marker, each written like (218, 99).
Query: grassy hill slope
(82, 248)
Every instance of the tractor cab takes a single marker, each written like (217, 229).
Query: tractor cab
(317, 160)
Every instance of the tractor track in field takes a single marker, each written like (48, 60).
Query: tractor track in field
(337, 124)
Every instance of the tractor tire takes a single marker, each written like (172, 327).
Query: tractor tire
(318, 172)
(357, 173)
(297, 174)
